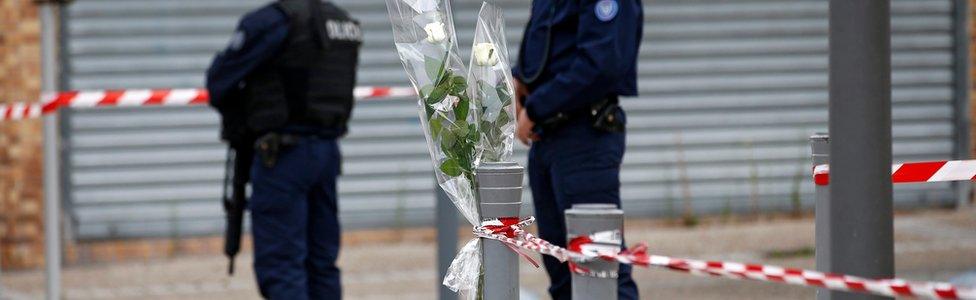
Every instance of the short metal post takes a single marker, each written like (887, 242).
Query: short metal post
(52, 210)
(52, 207)
(820, 146)
(585, 220)
(499, 196)
(861, 212)
(447, 240)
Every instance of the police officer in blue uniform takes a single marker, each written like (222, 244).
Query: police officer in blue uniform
(577, 58)
(284, 88)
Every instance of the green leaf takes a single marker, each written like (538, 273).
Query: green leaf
(451, 168)
(460, 129)
(461, 110)
(425, 90)
(448, 139)
(434, 67)
(502, 119)
(437, 95)
(473, 135)
(503, 95)
(458, 85)
(436, 125)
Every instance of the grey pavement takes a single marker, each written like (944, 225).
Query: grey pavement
(930, 245)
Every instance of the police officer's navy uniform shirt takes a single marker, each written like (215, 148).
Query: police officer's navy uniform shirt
(592, 53)
(259, 36)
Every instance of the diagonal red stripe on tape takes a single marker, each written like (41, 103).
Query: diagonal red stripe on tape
(203, 96)
(916, 172)
(821, 179)
(111, 98)
(902, 289)
(59, 100)
(794, 272)
(856, 286)
(380, 92)
(947, 293)
(815, 282)
(157, 97)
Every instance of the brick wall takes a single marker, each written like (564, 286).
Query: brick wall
(21, 231)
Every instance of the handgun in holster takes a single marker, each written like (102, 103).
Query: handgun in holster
(269, 146)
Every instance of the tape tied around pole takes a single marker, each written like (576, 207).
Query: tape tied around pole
(509, 227)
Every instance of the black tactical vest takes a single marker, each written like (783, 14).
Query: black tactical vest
(310, 82)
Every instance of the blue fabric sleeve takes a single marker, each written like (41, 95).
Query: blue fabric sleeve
(259, 36)
(600, 62)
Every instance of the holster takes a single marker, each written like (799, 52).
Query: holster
(269, 146)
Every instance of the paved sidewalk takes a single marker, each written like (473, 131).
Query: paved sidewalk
(934, 245)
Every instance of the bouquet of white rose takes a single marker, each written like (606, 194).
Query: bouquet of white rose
(492, 77)
(466, 119)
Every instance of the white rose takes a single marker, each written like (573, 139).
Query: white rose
(436, 32)
(485, 54)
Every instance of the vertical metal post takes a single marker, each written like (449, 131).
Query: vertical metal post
(1, 267)
(52, 210)
(447, 240)
(820, 147)
(499, 196)
(960, 113)
(861, 222)
(585, 220)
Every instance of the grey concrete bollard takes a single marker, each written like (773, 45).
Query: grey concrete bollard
(499, 196)
(584, 220)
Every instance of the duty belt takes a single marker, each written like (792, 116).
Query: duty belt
(602, 114)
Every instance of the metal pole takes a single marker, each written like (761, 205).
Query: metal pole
(447, 240)
(860, 210)
(52, 211)
(1, 268)
(961, 99)
(499, 196)
(585, 220)
(820, 146)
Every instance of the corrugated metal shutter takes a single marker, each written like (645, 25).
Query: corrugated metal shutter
(730, 92)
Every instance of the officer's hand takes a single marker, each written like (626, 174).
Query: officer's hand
(521, 92)
(524, 129)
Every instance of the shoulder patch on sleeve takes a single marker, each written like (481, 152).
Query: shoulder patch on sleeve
(606, 10)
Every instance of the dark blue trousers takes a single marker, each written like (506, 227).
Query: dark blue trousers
(295, 222)
(575, 164)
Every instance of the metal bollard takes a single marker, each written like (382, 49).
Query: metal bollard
(447, 240)
(584, 220)
(499, 196)
(820, 146)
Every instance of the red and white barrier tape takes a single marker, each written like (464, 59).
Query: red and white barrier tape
(145, 97)
(837, 282)
(19, 111)
(592, 247)
(936, 171)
